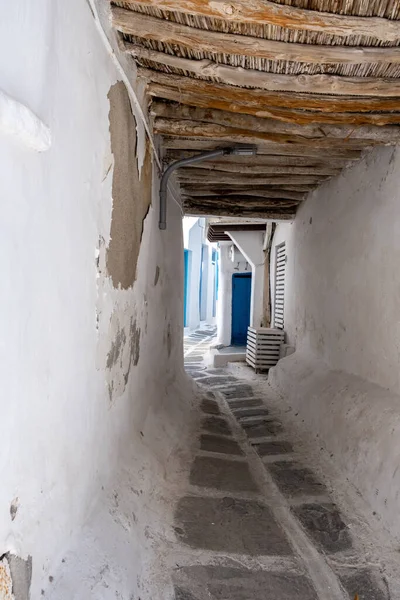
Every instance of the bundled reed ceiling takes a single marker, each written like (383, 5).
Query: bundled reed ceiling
(313, 83)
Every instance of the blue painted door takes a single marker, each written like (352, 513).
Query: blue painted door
(241, 295)
(185, 285)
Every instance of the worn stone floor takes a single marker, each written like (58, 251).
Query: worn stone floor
(256, 523)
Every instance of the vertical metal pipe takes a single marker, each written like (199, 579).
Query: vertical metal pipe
(182, 163)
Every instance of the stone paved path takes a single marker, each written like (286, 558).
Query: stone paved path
(256, 523)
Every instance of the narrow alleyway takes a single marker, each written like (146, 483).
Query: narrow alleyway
(256, 521)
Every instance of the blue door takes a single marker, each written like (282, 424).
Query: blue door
(241, 295)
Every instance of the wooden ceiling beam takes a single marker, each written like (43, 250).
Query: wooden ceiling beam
(246, 203)
(198, 129)
(262, 160)
(261, 98)
(272, 82)
(274, 215)
(215, 42)
(199, 176)
(187, 187)
(177, 144)
(237, 193)
(389, 134)
(264, 12)
(263, 169)
(253, 102)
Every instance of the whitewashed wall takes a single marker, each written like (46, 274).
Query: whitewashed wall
(195, 241)
(200, 270)
(250, 243)
(227, 268)
(342, 314)
(71, 419)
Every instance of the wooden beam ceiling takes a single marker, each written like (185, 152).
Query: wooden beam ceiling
(213, 42)
(290, 80)
(178, 144)
(388, 134)
(198, 176)
(260, 160)
(272, 82)
(198, 210)
(293, 108)
(227, 167)
(198, 191)
(199, 129)
(263, 12)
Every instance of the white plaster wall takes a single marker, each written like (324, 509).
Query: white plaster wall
(211, 286)
(195, 241)
(224, 304)
(205, 276)
(68, 448)
(342, 314)
(250, 243)
(344, 284)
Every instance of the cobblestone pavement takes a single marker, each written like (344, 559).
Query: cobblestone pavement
(257, 523)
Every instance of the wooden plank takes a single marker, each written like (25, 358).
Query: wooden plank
(176, 145)
(191, 176)
(265, 170)
(242, 195)
(389, 134)
(264, 12)
(263, 160)
(249, 203)
(283, 106)
(197, 129)
(261, 98)
(261, 203)
(268, 214)
(272, 82)
(244, 188)
(215, 42)
(273, 348)
(242, 200)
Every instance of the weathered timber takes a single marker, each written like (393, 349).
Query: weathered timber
(265, 170)
(265, 12)
(263, 149)
(275, 215)
(252, 102)
(389, 134)
(239, 188)
(254, 193)
(195, 176)
(262, 160)
(213, 42)
(292, 100)
(198, 129)
(239, 201)
(251, 78)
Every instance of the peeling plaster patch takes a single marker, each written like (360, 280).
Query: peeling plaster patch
(135, 342)
(157, 275)
(134, 332)
(124, 352)
(116, 348)
(131, 193)
(5, 580)
(14, 506)
(21, 575)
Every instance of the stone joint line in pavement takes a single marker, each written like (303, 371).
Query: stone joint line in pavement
(262, 522)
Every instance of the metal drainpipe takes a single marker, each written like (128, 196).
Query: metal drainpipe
(239, 150)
